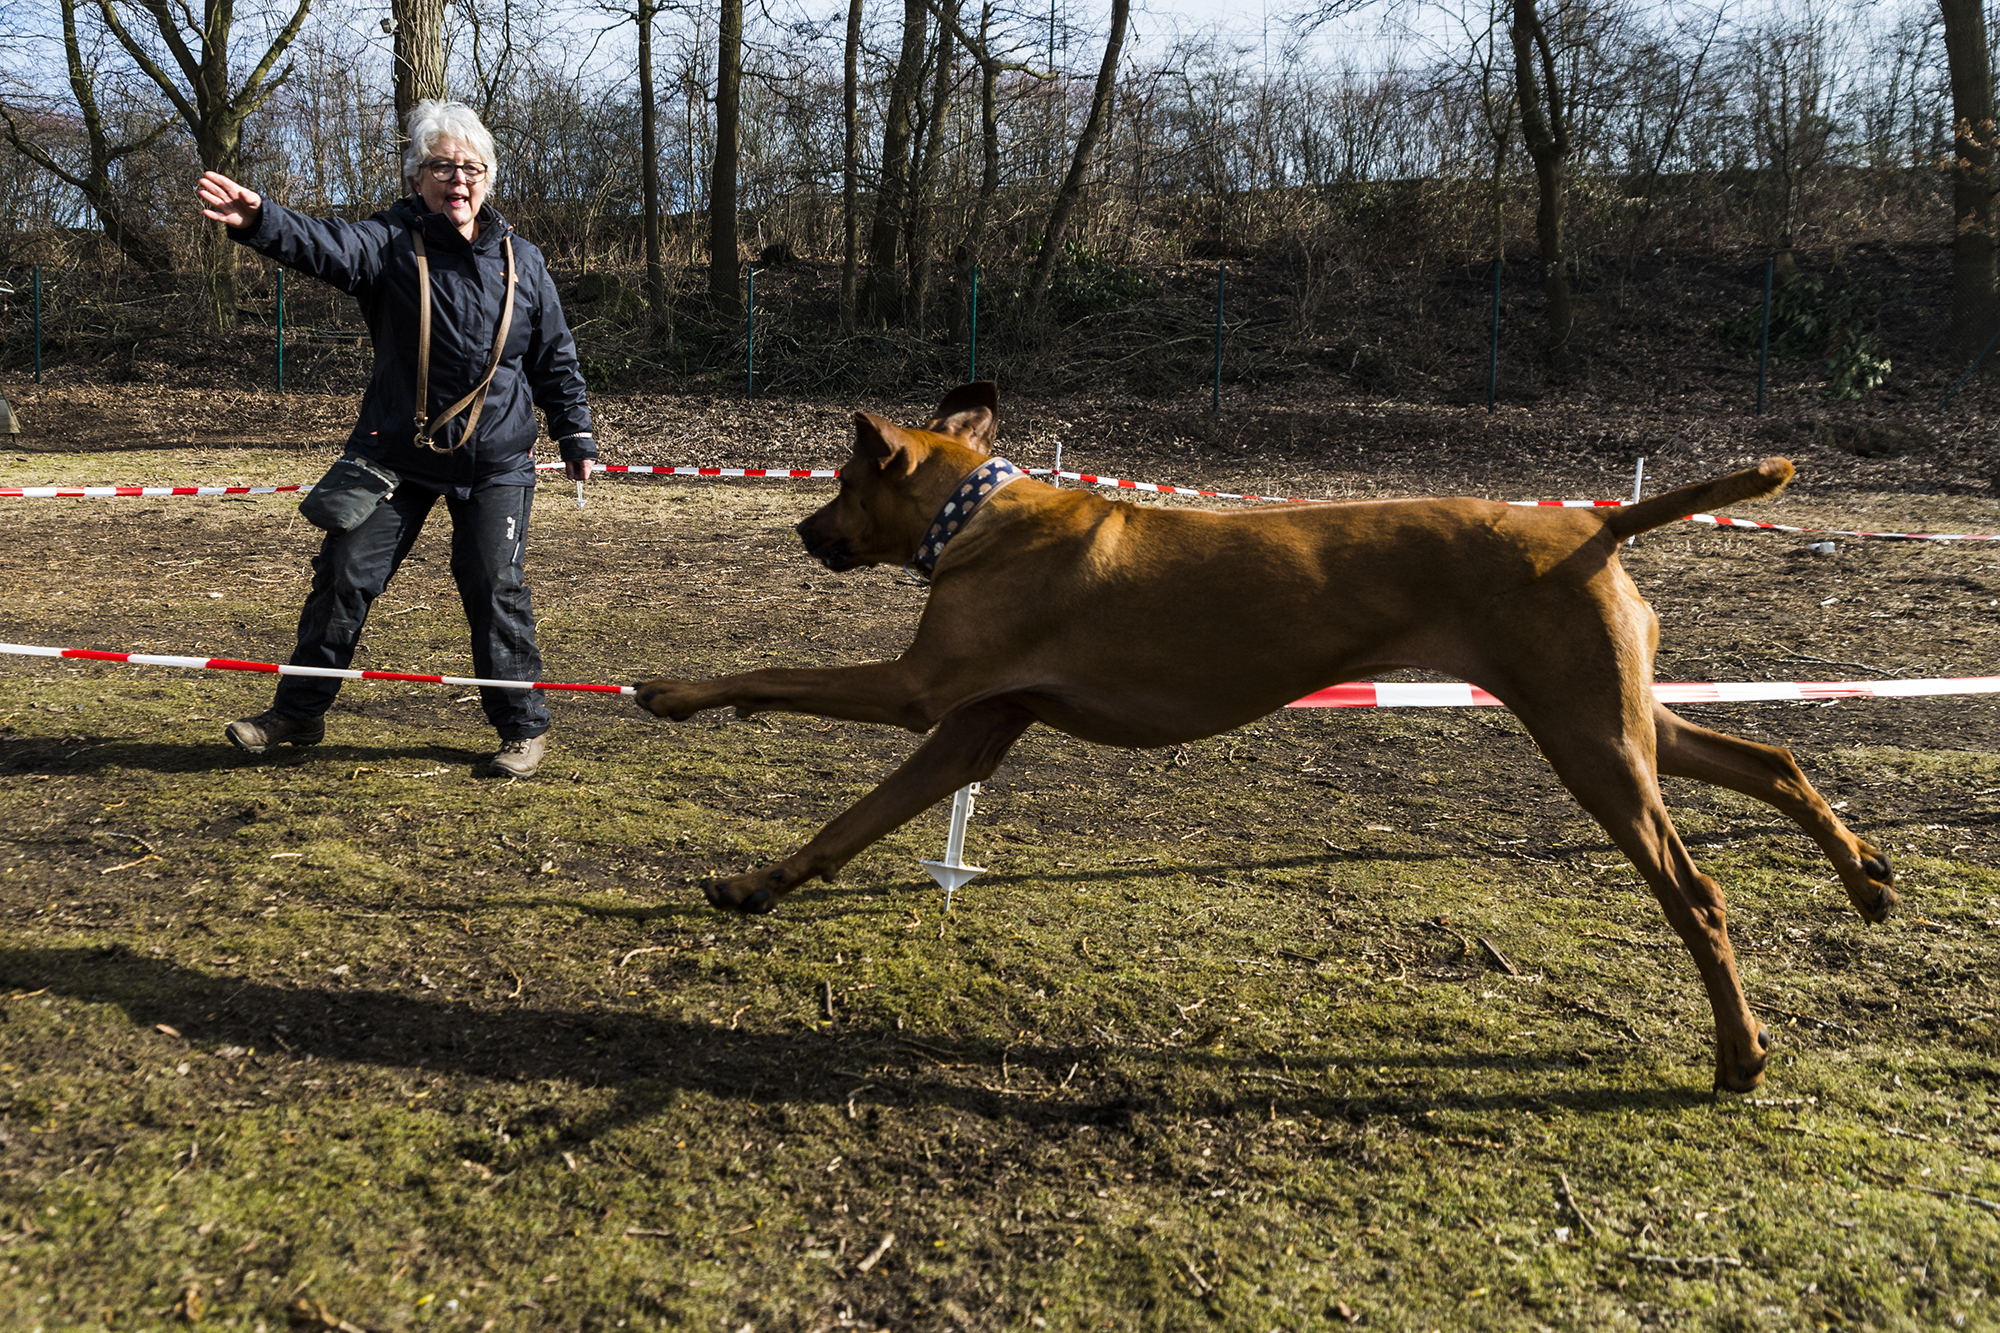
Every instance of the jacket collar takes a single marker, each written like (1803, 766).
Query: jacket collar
(440, 234)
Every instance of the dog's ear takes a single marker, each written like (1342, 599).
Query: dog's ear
(970, 413)
(882, 443)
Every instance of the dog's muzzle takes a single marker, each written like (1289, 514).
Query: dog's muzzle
(835, 555)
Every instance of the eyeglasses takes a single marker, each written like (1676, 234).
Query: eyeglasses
(442, 171)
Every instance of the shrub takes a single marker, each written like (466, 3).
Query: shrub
(1813, 322)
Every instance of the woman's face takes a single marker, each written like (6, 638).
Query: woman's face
(457, 198)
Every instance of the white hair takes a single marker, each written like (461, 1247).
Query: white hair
(432, 120)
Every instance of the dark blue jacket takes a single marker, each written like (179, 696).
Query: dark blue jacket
(376, 262)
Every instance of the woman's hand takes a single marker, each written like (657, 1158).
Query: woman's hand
(223, 200)
(577, 469)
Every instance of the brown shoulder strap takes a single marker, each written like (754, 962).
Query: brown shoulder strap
(476, 400)
(423, 335)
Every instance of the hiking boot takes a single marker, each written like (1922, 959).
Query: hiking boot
(270, 727)
(519, 759)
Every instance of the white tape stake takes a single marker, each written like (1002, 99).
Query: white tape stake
(1638, 480)
(579, 495)
(1055, 473)
(952, 872)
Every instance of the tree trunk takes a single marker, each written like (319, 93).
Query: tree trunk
(850, 172)
(724, 265)
(221, 149)
(989, 176)
(1545, 128)
(1974, 319)
(1079, 166)
(649, 152)
(884, 295)
(419, 55)
(923, 204)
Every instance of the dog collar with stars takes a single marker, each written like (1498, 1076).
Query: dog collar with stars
(966, 497)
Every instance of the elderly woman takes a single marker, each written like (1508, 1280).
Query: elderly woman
(443, 258)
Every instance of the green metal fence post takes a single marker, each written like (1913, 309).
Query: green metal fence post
(750, 337)
(38, 323)
(1221, 286)
(281, 330)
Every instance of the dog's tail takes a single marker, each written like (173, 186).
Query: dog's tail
(1704, 497)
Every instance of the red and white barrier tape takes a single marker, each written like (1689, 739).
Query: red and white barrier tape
(98, 492)
(1357, 694)
(105, 492)
(326, 673)
(1161, 488)
(1087, 479)
(1417, 694)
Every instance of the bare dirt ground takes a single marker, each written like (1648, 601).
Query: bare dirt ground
(1352, 856)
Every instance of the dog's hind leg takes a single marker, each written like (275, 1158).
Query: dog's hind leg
(966, 747)
(1770, 775)
(1604, 755)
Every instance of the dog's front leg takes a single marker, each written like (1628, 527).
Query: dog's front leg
(967, 746)
(885, 693)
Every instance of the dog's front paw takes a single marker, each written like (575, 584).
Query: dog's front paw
(663, 696)
(1741, 1068)
(752, 894)
(1872, 891)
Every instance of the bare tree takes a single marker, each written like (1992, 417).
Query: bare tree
(419, 54)
(1488, 82)
(850, 168)
(724, 265)
(214, 111)
(93, 177)
(643, 15)
(922, 211)
(1545, 127)
(884, 293)
(989, 159)
(1655, 142)
(1789, 71)
(1079, 166)
(1972, 186)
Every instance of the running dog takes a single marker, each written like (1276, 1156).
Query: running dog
(1136, 626)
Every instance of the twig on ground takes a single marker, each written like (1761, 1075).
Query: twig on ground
(1808, 1018)
(1499, 959)
(1921, 1138)
(875, 1255)
(1279, 1078)
(1972, 1199)
(1569, 1201)
(1687, 1260)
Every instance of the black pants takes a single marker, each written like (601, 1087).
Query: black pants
(489, 534)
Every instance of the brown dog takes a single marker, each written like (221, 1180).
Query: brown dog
(1134, 626)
